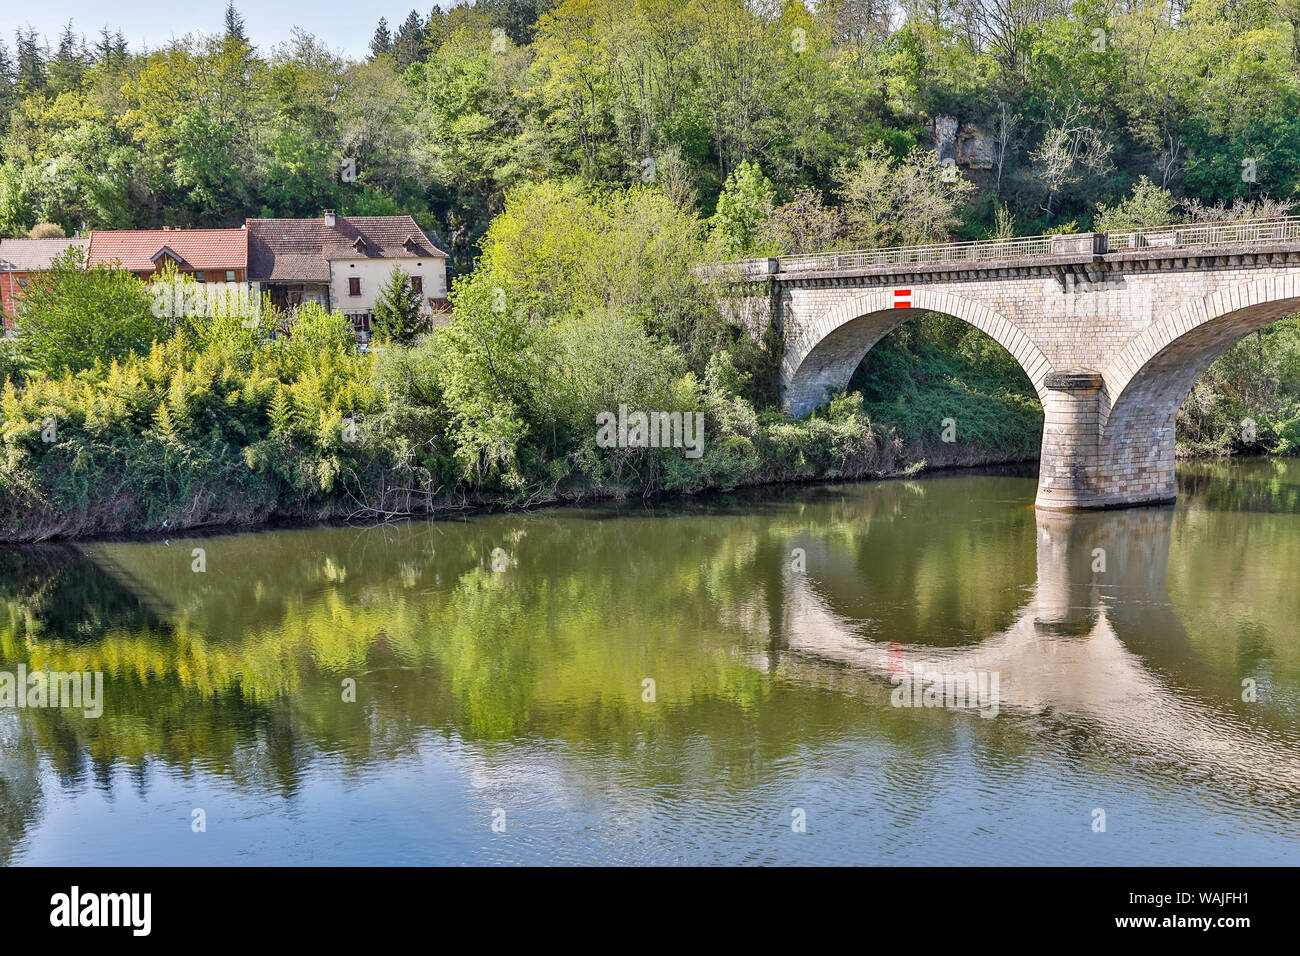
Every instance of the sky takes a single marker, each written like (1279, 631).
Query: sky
(342, 25)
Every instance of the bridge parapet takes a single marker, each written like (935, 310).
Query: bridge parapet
(995, 253)
(1211, 234)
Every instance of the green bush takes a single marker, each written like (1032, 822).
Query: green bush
(74, 316)
(188, 434)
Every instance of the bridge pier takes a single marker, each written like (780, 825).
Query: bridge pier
(1079, 470)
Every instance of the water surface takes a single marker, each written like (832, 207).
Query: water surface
(501, 664)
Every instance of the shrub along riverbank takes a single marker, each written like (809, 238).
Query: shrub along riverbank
(233, 429)
(582, 302)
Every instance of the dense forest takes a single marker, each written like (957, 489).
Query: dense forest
(1076, 101)
(576, 159)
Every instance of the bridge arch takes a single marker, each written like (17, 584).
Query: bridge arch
(1150, 378)
(822, 354)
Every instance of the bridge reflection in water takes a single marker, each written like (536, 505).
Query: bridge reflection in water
(1101, 589)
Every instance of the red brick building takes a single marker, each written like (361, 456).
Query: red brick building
(19, 258)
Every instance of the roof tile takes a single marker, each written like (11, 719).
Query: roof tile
(301, 249)
(136, 249)
(32, 255)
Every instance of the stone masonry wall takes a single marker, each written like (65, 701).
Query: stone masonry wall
(1139, 326)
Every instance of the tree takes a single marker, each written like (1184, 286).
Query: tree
(8, 86)
(408, 44)
(46, 230)
(744, 204)
(1071, 148)
(110, 50)
(72, 317)
(399, 313)
(68, 65)
(1146, 205)
(31, 65)
(516, 17)
(804, 225)
(298, 176)
(207, 167)
(235, 24)
(888, 201)
(381, 44)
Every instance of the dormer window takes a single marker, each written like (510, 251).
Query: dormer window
(358, 243)
(165, 255)
(409, 244)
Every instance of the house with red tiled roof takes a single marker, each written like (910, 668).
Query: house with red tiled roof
(19, 259)
(209, 255)
(342, 261)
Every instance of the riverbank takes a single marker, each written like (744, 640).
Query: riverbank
(116, 516)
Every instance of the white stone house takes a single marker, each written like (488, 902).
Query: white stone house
(342, 262)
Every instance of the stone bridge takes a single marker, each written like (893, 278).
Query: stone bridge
(1113, 330)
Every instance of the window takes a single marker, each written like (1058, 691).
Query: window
(198, 277)
(360, 321)
(230, 275)
(417, 283)
(354, 285)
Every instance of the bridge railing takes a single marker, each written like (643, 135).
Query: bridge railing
(985, 250)
(977, 251)
(1207, 234)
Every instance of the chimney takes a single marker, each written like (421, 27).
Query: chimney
(329, 218)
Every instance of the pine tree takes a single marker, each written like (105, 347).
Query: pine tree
(31, 63)
(110, 50)
(382, 43)
(104, 49)
(8, 86)
(408, 45)
(235, 24)
(515, 17)
(399, 314)
(67, 67)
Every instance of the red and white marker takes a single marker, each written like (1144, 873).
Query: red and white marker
(902, 298)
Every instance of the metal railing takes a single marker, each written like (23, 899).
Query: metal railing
(979, 251)
(1207, 234)
(1028, 247)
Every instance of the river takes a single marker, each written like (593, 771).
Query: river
(702, 681)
